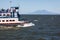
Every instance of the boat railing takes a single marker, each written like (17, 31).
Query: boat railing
(4, 10)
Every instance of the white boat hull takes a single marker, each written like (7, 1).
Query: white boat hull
(26, 25)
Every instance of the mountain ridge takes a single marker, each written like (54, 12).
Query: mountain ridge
(44, 12)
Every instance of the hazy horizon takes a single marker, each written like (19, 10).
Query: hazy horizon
(27, 6)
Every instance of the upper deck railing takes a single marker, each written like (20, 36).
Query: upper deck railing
(5, 10)
(12, 12)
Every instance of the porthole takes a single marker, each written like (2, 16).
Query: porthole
(8, 15)
(6, 20)
(3, 20)
(3, 14)
(13, 20)
(10, 20)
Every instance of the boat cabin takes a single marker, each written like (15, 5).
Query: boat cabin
(9, 15)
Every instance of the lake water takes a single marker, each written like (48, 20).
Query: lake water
(47, 27)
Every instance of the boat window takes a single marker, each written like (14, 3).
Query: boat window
(6, 20)
(13, 20)
(7, 14)
(3, 14)
(10, 20)
(3, 20)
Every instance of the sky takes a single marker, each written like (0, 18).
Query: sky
(32, 5)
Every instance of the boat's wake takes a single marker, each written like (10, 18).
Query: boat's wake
(26, 25)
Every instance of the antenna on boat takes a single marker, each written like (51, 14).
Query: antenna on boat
(15, 10)
(10, 3)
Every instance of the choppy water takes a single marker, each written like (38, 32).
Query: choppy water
(47, 27)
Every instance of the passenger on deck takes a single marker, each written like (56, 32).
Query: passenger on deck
(8, 11)
(3, 10)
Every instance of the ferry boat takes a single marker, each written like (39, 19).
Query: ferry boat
(9, 17)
